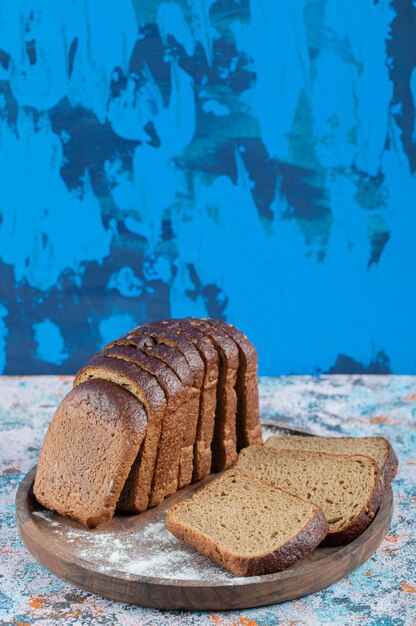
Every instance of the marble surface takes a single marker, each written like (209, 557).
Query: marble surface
(380, 593)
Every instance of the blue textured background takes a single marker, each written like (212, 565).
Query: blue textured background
(247, 159)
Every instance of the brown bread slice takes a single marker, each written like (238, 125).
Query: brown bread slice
(180, 470)
(247, 526)
(349, 489)
(165, 477)
(89, 448)
(208, 396)
(248, 423)
(224, 443)
(378, 448)
(140, 336)
(135, 495)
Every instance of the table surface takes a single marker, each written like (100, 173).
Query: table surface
(380, 593)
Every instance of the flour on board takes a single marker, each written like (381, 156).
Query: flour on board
(148, 551)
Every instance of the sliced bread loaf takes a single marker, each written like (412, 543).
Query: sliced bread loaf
(90, 446)
(246, 526)
(136, 491)
(158, 335)
(224, 443)
(248, 423)
(349, 489)
(165, 478)
(208, 397)
(179, 432)
(377, 448)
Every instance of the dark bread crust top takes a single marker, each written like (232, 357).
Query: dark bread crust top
(156, 333)
(248, 350)
(248, 424)
(141, 384)
(219, 338)
(110, 403)
(166, 377)
(198, 339)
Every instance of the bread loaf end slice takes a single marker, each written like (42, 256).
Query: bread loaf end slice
(247, 526)
(89, 448)
(136, 492)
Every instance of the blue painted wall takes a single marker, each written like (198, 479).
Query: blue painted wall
(247, 159)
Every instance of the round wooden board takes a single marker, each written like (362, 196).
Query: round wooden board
(135, 560)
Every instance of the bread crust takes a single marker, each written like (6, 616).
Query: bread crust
(81, 480)
(158, 333)
(135, 495)
(165, 477)
(224, 443)
(248, 423)
(161, 334)
(365, 517)
(297, 548)
(208, 396)
(389, 470)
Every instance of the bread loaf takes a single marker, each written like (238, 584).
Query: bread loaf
(208, 396)
(224, 443)
(160, 336)
(193, 382)
(247, 388)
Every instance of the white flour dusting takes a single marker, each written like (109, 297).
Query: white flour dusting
(148, 551)
(47, 516)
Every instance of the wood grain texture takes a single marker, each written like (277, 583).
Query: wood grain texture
(322, 568)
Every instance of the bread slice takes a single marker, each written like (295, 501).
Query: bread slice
(248, 423)
(165, 477)
(167, 353)
(224, 443)
(208, 396)
(135, 495)
(349, 489)
(89, 448)
(159, 335)
(246, 526)
(378, 448)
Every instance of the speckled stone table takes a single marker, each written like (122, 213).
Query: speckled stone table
(380, 593)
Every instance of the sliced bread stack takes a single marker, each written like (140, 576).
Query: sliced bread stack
(194, 384)
(255, 518)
